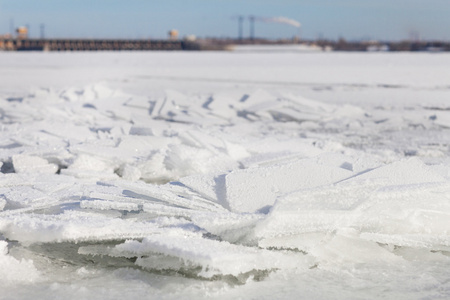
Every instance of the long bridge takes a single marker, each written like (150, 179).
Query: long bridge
(27, 44)
(94, 45)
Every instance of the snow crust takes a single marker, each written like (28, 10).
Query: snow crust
(222, 175)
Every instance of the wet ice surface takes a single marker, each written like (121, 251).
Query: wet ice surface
(223, 175)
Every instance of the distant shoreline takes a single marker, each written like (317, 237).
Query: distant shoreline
(14, 44)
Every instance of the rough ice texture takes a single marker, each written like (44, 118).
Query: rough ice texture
(253, 189)
(210, 175)
(13, 270)
(32, 164)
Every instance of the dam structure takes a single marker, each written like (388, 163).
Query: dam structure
(95, 45)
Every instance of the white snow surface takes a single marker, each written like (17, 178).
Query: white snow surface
(216, 175)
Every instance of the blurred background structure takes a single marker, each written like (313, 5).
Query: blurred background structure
(384, 25)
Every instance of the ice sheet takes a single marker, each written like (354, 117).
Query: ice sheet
(217, 175)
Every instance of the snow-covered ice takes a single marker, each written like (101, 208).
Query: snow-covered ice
(224, 175)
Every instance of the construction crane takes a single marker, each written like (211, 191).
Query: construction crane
(240, 20)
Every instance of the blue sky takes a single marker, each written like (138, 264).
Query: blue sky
(351, 19)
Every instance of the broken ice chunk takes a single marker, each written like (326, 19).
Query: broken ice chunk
(130, 172)
(32, 164)
(409, 171)
(14, 270)
(253, 189)
(215, 257)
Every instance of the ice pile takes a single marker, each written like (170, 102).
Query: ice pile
(217, 186)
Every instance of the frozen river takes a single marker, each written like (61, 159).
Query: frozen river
(168, 175)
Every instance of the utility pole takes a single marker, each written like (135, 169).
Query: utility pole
(241, 27)
(252, 27)
(11, 27)
(42, 31)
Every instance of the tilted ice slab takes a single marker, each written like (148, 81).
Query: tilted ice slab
(29, 191)
(71, 226)
(166, 195)
(190, 250)
(404, 203)
(237, 228)
(254, 189)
